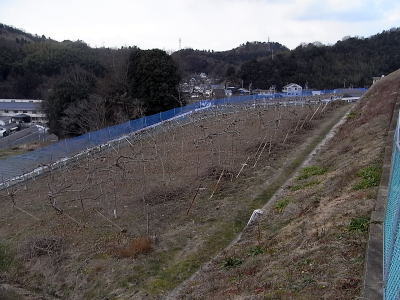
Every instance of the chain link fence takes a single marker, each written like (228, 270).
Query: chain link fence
(391, 247)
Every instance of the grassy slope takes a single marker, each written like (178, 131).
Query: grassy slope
(312, 244)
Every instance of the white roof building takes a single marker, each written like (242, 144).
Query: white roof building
(14, 107)
(292, 89)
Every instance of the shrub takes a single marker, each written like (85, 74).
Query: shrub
(352, 115)
(232, 262)
(253, 251)
(44, 246)
(304, 185)
(281, 204)
(359, 224)
(311, 171)
(6, 258)
(370, 177)
(141, 245)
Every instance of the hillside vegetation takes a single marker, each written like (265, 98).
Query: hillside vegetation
(352, 61)
(86, 88)
(126, 83)
(217, 63)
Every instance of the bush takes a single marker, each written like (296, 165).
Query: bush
(311, 171)
(232, 262)
(281, 204)
(304, 185)
(253, 251)
(370, 177)
(48, 246)
(141, 245)
(6, 258)
(352, 115)
(359, 224)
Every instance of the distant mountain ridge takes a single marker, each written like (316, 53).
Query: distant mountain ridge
(217, 62)
(14, 34)
(353, 61)
(29, 63)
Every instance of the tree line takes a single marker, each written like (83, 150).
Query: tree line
(89, 88)
(86, 88)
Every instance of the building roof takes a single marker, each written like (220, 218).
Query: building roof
(20, 106)
(11, 126)
(291, 84)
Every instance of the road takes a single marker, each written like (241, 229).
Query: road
(25, 136)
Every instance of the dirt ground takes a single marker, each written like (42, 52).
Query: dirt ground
(312, 243)
(136, 221)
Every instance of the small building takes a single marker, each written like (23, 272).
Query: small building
(376, 79)
(218, 93)
(272, 89)
(292, 89)
(21, 118)
(31, 108)
(243, 91)
(5, 121)
(12, 127)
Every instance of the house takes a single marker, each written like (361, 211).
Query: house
(14, 107)
(21, 118)
(218, 93)
(5, 121)
(292, 89)
(272, 89)
(375, 79)
(243, 91)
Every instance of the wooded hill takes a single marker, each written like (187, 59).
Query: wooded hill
(350, 62)
(217, 63)
(72, 76)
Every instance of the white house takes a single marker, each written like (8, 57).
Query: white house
(14, 107)
(376, 79)
(5, 121)
(292, 89)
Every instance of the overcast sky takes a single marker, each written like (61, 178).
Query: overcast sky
(201, 24)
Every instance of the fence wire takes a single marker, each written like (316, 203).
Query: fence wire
(391, 247)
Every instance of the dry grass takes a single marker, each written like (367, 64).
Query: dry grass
(21, 149)
(314, 244)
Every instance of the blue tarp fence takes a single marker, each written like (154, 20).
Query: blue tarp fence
(21, 164)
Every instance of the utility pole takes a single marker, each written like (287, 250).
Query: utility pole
(180, 43)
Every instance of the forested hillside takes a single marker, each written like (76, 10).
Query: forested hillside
(351, 62)
(72, 77)
(217, 63)
(124, 83)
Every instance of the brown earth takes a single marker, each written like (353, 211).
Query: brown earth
(312, 243)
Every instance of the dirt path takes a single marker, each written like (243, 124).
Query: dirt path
(275, 187)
